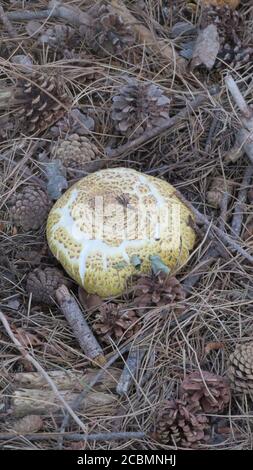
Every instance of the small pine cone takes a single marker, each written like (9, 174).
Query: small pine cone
(217, 190)
(158, 290)
(43, 102)
(109, 33)
(176, 425)
(29, 208)
(114, 322)
(75, 152)
(138, 107)
(240, 370)
(210, 394)
(42, 284)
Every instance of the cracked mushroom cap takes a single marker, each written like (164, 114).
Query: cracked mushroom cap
(112, 217)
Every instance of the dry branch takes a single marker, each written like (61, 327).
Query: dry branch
(40, 369)
(67, 379)
(27, 401)
(79, 325)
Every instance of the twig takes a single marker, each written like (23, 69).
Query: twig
(40, 369)
(237, 220)
(129, 371)
(41, 436)
(75, 405)
(6, 22)
(156, 131)
(79, 325)
(240, 101)
(71, 15)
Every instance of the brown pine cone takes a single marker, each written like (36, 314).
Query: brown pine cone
(75, 152)
(158, 290)
(43, 102)
(240, 369)
(176, 425)
(112, 321)
(210, 395)
(109, 33)
(139, 106)
(42, 284)
(29, 208)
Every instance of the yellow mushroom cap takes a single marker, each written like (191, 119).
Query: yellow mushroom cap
(109, 219)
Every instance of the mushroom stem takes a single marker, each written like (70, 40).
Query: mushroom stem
(80, 327)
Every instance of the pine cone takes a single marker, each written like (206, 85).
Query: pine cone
(138, 107)
(176, 425)
(228, 22)
(240, 370)
(42, 101)
(75, 152)
(109, 34)
(114, 322)
(210, 395)
(29, 208)
(158, 290)
(42, 284)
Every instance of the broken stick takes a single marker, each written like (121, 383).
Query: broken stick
(79, 325)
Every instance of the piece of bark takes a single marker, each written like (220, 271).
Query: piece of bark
(79, 326)
(206, 47)
(43, 402)
(67, 379)
(145, 36)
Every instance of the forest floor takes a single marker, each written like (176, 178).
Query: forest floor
(88, 53)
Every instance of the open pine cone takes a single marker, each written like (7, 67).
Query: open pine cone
(158, 290)
(114, 322)
(228, 22)
(42, 284)
(43, 101)
(176, 425)
(29, 208)
(210, 395)
(139, 106)
(75, 152)
(109, 34)
(240, 370)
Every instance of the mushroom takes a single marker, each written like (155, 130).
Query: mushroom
(113, 223)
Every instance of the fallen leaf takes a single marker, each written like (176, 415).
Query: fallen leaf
(206, 47)
(213, 346)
